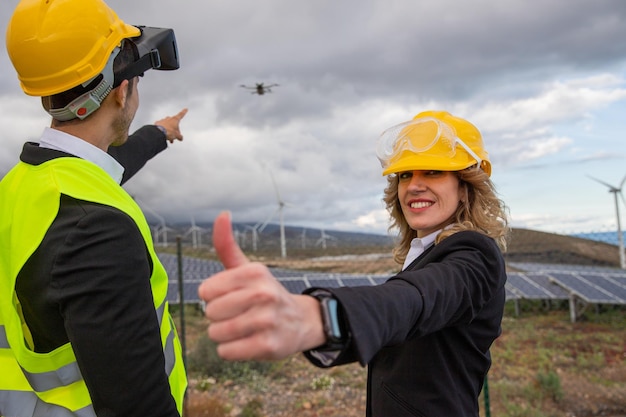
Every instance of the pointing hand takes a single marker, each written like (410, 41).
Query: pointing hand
(172, 126)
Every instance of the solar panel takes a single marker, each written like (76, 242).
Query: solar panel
(380, 279)
(539, 281)
(288, 273)
(172, 293)
(510, 295)
(356, 281)
(606, 284)
(535, 286)
(619, 280)
(587, 290)
(556, 292)
(324, 282)
(294, 285)
(526, 288)
(190, 292)
(537, 267)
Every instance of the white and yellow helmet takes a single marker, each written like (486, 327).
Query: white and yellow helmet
(433, 140)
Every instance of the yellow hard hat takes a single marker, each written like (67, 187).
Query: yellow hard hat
(56, 45)
(433, 140)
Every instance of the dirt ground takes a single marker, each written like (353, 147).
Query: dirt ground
(543, 365)
(587, 362)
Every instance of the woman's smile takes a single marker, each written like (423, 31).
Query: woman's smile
(429, 199)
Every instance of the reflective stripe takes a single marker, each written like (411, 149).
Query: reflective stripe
(44, 381)
(4, 342)
(24, 403)
(160, 311)
(70, 373)
(168, 352)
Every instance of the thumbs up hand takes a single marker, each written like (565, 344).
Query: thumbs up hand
(252, 316)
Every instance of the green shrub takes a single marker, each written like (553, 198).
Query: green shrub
(253, 408)
(550, 384)
(323, 383)
(204, 360)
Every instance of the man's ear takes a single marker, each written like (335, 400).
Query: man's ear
(121, 93)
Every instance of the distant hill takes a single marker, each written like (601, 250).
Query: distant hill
(333, 237)
(524, 246)
(541, 247)
(296, 236)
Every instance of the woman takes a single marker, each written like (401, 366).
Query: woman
(425, 334)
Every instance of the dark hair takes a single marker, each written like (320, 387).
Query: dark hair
(126, 56)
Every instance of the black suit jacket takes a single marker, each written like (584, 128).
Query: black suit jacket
(425, 334)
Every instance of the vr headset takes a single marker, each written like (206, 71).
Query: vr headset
(155, 48)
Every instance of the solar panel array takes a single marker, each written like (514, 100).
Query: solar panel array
(597, 285)
(592, 284)
(195, 270)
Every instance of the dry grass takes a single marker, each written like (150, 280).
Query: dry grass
(543, 365)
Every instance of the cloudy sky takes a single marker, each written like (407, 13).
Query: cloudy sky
(545, 82)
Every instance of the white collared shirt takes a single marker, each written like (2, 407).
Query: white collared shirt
(61, 141)
(418, 246)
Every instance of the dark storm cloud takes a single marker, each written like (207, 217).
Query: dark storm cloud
(346, 70)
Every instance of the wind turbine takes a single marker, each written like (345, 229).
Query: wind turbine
(162, 229)
(163, 232)
(155, 230)
(254, 231)
(303, 238)
(279, 210)
(617, 190)
(323, 238)
(196, 233)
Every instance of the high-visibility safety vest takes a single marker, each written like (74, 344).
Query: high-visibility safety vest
(50, 384)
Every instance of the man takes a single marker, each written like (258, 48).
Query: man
(84, 326)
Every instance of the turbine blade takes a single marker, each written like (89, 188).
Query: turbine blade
(275, 187)
(612, 187)
(268, 219)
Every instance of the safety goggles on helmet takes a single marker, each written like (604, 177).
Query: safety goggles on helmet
(432, 140)
(154, 48)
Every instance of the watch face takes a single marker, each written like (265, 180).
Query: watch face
(333, 331)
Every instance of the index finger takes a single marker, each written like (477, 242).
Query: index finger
(181, 114)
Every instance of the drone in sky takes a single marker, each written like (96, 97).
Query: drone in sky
(260, 88)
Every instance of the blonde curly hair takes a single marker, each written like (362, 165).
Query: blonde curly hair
(482, 212)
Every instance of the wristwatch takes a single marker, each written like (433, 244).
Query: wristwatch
(334, 328)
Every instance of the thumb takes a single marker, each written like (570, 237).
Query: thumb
(225, 246)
